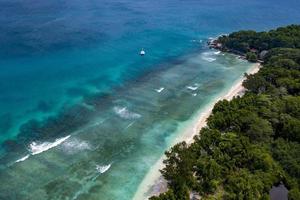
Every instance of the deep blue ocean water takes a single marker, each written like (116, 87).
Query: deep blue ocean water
(83, 114)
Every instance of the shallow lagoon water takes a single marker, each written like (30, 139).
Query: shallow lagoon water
(127, 131)
(83, 114)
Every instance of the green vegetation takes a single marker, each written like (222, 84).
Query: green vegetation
(245, 41)
(252, 142)
(251, 56)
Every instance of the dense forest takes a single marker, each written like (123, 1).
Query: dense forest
(252, 142)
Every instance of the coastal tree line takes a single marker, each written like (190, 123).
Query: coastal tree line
(252, 142)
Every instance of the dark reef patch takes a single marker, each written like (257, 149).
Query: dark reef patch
(44, 106)
(6, 122)
(63, 124)
(77, 91)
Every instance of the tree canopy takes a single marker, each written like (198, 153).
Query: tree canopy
(252, 142)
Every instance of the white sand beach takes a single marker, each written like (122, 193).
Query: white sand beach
(153, 183)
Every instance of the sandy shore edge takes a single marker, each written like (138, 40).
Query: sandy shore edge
(153, 183)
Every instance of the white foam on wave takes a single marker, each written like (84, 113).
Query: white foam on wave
(129, 125)
(193, 88)
(100, 122)
(209, 56)
(23, 158)
(75, 145)
(217, 52)
(102, 168)
(223, 34)
(123, 112)
(200, 41)
(159, 90)
(37, 148)
(210, 59)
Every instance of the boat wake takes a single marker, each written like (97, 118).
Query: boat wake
(37, 148)
(124, 113)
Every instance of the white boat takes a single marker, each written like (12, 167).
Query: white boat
(142, 53)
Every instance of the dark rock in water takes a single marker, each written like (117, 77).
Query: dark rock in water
(279, 192)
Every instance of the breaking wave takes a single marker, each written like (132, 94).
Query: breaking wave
(102, 168)
(193, 87)
(123, 112)
(22, 159)
(159, 90)
(217, 52)
(75, 145)
(197, 41)
(37, 148)
(209, 56)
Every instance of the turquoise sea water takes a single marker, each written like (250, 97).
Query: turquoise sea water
(82, 115)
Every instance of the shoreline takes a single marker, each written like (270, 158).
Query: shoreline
(153, 183)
